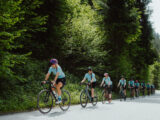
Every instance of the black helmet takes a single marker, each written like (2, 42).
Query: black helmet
(122, 76)
(89, 69)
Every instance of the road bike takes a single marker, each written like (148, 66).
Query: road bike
(121, 94)
(47, 98)
(105, 95)
(85, 96)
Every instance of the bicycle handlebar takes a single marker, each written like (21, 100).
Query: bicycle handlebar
(48, 82)
(84, 83)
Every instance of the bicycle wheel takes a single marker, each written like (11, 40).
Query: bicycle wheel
(66, 100)
(95, 99)
(45, 101)
(103, 97)
(83, 99)
(120, 95)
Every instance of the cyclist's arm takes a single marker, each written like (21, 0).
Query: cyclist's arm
(92, 80)
(102, 83)
(47, 76)
(118, 84)
(84, 79)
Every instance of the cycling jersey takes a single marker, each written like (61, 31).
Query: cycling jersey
(153, 86)
(122, 82)
(143, 85)
(136, 84)
(55, 70)
(131, 83)
(107, 81)
(148, 86)
(89, 77)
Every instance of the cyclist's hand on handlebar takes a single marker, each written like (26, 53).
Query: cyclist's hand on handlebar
(53, 82)
(81, 83)
(43, 82)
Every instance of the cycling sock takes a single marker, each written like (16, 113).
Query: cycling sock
(59, 97)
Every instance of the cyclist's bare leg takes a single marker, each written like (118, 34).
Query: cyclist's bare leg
(105, 92)
(125, 92)
(92, 92)
(110, 98)
(53, 89)
(58, 86)
(133, 93)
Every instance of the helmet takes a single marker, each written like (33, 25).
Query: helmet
(54, 61)
(136, 81)
(105, 74)
(89, 69)
(122, 76)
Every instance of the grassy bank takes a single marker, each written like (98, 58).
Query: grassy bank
(28, 102)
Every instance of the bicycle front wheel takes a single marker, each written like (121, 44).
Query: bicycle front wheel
(104, 97)
(66, 100)
(83, 99)
(45, 101)
(95, 99)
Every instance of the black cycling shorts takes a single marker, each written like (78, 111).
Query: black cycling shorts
(93, 85)
(136, 87)
(124, 87)
(109, 89)
(62, 80)
(148, 88)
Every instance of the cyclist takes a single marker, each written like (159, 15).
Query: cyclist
(108, 86)
(122, 84)
(152, 89)
(148, 88)
(131, 86)
(143, 87)
(59, 79)
(137, 88)
(90, 76)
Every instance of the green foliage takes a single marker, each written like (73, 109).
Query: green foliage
(122, 27)
(155, 74)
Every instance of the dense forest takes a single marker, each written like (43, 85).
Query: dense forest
(113, 36)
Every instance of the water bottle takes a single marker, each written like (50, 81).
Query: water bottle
(55, 94)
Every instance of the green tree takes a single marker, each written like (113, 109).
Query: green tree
(122, 28)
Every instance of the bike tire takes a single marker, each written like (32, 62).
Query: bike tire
(66, 100)
(103, 97)
(95, 99)
(43, 97)
(83, 99)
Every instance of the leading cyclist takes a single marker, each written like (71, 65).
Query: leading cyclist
(59, 79)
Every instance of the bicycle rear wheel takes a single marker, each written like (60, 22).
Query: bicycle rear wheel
(83, 99)
(45, 101)
(66, 100)
(120, 95)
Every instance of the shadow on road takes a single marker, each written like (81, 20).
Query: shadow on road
(154, 99)
(91, 107)
(54, 114)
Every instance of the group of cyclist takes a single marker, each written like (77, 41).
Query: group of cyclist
(59, 81)
(135, 87)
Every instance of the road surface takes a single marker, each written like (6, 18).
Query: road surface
(147, 108)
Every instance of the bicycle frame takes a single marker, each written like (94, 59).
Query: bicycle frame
(106, 92)
(50, 89)
(121, 90)
(87, 90)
